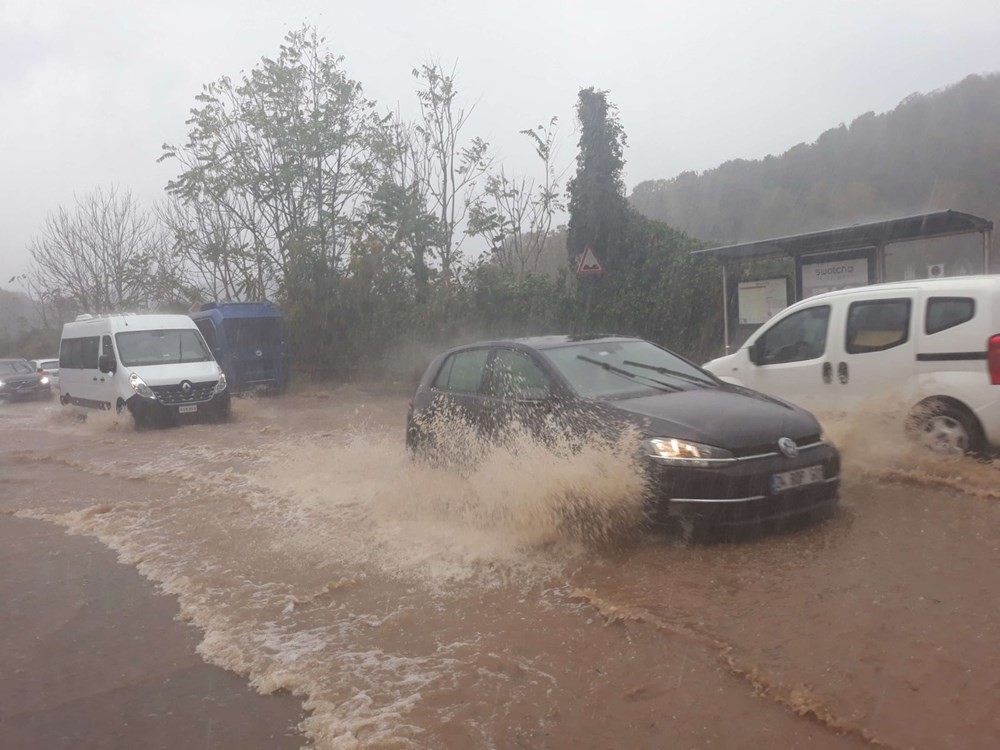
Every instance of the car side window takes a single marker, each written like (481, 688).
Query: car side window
(877, 325)
(462, 372)
(799, 337)
(515, 375)
(947, 312)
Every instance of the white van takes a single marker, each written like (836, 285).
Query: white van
(930, 346)
(156, 366)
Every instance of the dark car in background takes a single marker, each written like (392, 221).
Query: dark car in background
(49, 368)
(718, 456)
(19, 380)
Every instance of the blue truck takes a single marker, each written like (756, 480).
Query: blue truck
(248, 341)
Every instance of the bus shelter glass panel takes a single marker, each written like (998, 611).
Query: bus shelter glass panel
(957, 255)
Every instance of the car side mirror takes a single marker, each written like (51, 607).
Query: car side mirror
(107, 364)
(755, 351)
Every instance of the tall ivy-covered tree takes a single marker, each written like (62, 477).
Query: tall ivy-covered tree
(598, 213)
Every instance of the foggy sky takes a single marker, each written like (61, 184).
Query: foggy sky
(90, 89)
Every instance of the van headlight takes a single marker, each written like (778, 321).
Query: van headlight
(221, 385)
(140, 387)
(676, 452)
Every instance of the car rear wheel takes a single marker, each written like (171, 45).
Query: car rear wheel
(946, 428)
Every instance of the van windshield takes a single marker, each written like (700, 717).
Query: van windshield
(161, 347)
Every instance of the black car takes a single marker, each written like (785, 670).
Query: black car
(718, 456)
(18, 379)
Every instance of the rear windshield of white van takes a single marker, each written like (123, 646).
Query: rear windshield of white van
(162, 347)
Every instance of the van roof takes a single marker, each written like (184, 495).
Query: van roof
(236, 310)
(966, 284)
(128, 321)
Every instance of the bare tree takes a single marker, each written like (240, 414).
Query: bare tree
(450, 169)
(515, 214)
(105, 254)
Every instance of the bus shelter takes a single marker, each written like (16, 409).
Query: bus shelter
(761, 278)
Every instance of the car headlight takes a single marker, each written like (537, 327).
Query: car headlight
(45, 380)
(140, 387)
(222, 384)
(673, 451)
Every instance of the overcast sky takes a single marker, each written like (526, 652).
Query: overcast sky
(90, 89)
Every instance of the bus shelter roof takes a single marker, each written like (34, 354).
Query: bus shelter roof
(874, 234)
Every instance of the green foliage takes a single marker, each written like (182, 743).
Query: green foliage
(597, 207)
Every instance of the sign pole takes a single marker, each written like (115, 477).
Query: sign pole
(725, 309)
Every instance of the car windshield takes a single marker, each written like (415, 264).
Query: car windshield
(161, 347)
(625, 369)
(15, 368)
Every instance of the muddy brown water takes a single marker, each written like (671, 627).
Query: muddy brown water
(411, 606)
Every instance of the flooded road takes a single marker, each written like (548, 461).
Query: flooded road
(414, 607)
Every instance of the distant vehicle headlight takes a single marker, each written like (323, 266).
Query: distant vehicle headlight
(1, 384)
(45, 380)
(222, 384)
(673, 451)
(140, 387)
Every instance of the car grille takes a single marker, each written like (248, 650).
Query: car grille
(767, 448)
(174, 394)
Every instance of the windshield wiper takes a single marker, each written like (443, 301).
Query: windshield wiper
(668, 371)
(630, 375)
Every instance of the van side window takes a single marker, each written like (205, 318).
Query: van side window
(80, 353)
(799, 337)
(947, 312)
(877, 325)
(462, 372)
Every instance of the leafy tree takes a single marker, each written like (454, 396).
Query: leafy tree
(277, 169)
(597, 207)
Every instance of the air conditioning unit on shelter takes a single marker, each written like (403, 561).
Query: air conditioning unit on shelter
(935, 270)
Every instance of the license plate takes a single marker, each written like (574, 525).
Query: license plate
(789, 480)
(188, 408)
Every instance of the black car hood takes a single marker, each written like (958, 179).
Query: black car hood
(728, 417)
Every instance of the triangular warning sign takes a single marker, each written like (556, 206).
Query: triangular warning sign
(589, 264)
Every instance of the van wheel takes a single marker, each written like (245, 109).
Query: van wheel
(946, 428)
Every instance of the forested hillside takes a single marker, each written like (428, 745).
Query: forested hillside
(17, 314)
(933, 151)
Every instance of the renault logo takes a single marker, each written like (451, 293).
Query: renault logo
(186, 389)
(788, 447)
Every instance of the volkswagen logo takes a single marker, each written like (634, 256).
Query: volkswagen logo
(186, 389)
(788, 447)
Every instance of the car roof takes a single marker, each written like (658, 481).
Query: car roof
(11, 360)
(546, 342)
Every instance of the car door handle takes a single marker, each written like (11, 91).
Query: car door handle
(827, 372)
(842, 374)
